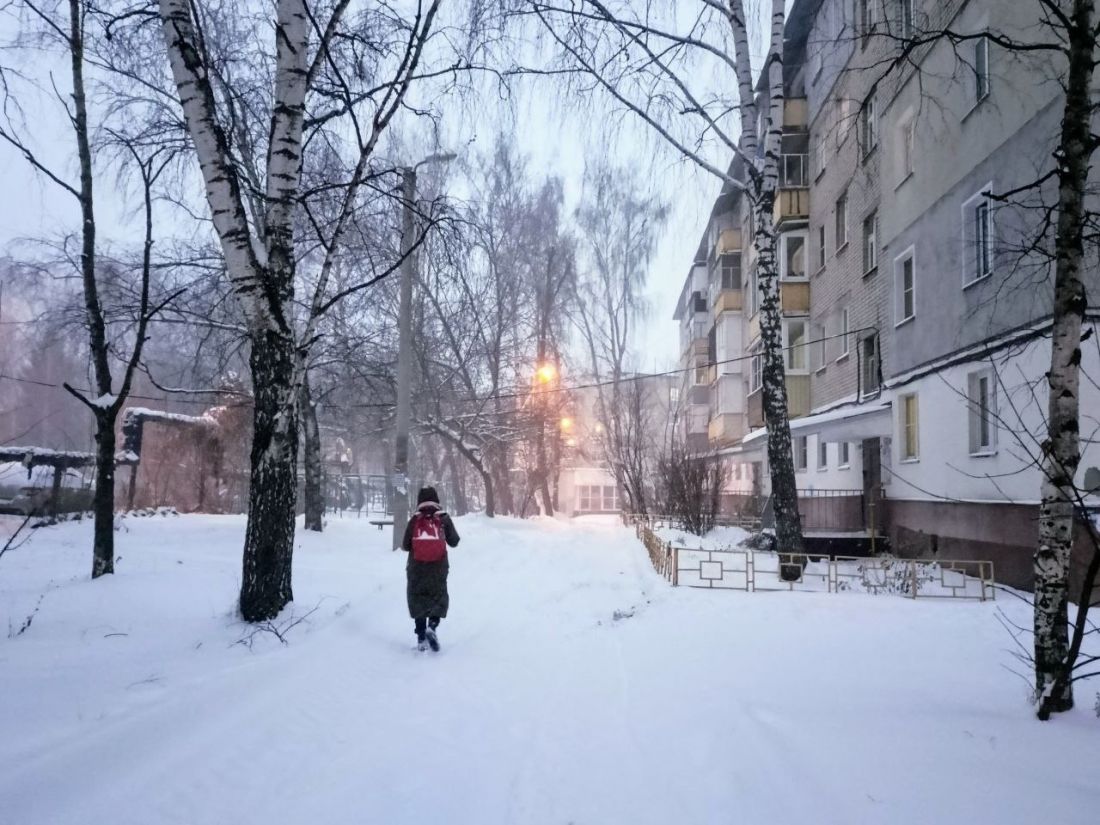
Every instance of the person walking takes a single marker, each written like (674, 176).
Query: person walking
(428, 534)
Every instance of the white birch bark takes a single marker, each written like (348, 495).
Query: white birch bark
(1062, 448)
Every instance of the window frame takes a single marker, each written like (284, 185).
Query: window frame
(844, 456)
(822, 454)
(865, 363)
(819, 339)
(971, 207)
(868, 126)
(976, 416)
(840, 209)
(908, 256)
(784, 243)
(905, 426)
(845, 333)
(907, 143)
(822, 251)
(868, 20)
(907, 19)
(870, 251)
(800, 453)
(790, 350)
(982, 84)
(756, 370)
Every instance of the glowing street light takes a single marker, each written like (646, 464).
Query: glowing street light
(546, 373)
(566, 423)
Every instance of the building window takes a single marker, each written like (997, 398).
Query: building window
(981, 70)
(910, 428)
(702, 370)
(754, 291)
(821, 247)
(819, 346)
(842, 221)
(905, 286)
(731, 271)
(870, 242)
(595, 498)
(977, 220)
(868, 125)
(907, 137)
(844, 459)
(820, 156)
(982, 395)
(796, 345)
(843, 119)
(793, 257)
(906, 19)
(755, 372)
(822, 453)
(844, 328)
(801, 453)
(869, 368)
(868, 18)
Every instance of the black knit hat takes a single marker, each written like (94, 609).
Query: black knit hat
(427, 494)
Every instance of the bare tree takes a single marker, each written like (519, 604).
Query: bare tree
(649, 64)
(67, 32)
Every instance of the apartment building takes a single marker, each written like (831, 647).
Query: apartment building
(926, 316)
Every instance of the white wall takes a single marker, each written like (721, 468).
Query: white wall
(945, 467)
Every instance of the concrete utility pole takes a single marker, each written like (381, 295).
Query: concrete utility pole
(404, 357)
(404, 346)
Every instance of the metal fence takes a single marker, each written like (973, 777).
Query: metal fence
(762, 571)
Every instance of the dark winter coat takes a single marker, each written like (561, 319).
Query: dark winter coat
(427, 580)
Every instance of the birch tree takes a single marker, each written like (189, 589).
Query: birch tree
(253, 197)
(649, 66)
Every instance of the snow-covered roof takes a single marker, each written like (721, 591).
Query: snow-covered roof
(842, 424)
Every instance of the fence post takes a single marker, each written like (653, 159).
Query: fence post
(675, 566)
(913, 576)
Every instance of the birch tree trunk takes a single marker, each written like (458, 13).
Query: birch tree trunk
(262, 274)
(788, 525)
(1062, 452)
(313, 491)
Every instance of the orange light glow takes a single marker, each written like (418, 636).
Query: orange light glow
(566, 423)
(546, 373)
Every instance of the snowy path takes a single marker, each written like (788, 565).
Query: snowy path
(542, 708)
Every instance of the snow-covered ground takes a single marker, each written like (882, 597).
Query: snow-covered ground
(575, 686)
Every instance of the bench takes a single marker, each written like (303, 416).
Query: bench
(380, 523)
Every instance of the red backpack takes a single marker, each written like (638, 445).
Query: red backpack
(428, 541)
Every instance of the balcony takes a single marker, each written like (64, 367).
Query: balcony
(792, 205)
(795, 113)
(725, 430)
(794, 297)
(798, 400)
(794, 171)
(693, 337)
(729, 240)
(729, 300)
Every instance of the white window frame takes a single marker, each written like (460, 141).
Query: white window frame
(822, 248)
(784, 240)
(844, 456)
(843, 119)
(802, 349)
(868, 19)
(908, 256)
(821, 155)
(904, 427)
(876, 362)
(800, 451)
(907, 144)
(868, 126)
(970, 208)
(841, 209)
(756, 371)
(869, 243)
(975, 412)
(818, 336)
(845, 333)
(981, 70)
(822, 454)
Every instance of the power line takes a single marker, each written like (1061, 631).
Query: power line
(503, 396)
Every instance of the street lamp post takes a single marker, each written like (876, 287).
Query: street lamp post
(404, 346)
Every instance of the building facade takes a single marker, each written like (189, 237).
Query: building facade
(917, 307)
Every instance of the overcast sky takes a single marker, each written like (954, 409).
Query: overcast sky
(555, 131)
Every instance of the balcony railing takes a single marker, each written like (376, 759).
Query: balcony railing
(792, 204)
